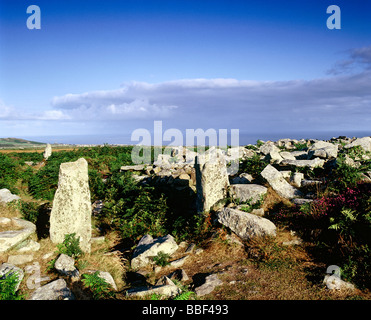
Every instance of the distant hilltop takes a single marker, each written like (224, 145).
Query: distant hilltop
(18, 143)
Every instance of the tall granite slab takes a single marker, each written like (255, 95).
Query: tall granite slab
(71, 212)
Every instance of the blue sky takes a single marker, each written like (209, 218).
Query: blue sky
(110, 67)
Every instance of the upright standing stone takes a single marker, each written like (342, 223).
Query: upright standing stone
(71, 212)
(211, 179)
(47, 152)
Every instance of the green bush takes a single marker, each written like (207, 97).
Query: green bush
(9, 173)
(253, 165)
(133, 210)
(70, 246)
(98, 287)
(162, 259)
(29, 210)
(8, 284)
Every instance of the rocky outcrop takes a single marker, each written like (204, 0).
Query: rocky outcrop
(71, 212)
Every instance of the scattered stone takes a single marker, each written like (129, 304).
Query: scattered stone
(278, 183)
(71, 212)
(274, 157)
(100, 239)
(248, 192)
(323, 149)
(296, 179)
(167, 291)
(138, 167)
(287, 155)
(243, 178)
(20, 259)
(335, 283)
(299, 155)
(6, 196)
(259, 212)
(306, 183)
(190, 248)
(29, 245)
(179, 275)
(211, 282)
(56, 290)
(65, 265)
(246, 225)
(164, 281)
(179, 262)
(300, 201)
(47, 256)
(7, 269)
(286, 174)
(268, 148)
(232, 238)
(364, 142)
(315, 163)
(149, 247)
(5, 221)
(11, 238)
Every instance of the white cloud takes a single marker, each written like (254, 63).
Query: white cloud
(319, 103)
(339, 101)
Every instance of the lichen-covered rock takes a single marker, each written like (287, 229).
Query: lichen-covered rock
(6, 196)
(211, 282)
(278, 183)
(364, 143)
(248, 192)
(323, 149)
(47, 152)
(71, 212)
(65, 265)
(246, 225)
(212, 179)
(149, 247)
(56, 290)
(10, 238)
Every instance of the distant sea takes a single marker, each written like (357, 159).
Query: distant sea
(244, 138)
